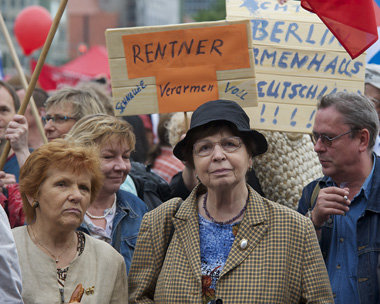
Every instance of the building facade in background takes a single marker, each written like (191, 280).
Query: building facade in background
(85, 21)
(9, 10)
(158, 12)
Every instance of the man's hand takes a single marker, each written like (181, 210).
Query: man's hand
(6, 179)
(331, 200)
(17, 133)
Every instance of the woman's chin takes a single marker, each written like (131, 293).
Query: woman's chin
(222, 183)
(71, 223)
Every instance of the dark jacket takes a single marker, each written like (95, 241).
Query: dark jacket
(150, 187)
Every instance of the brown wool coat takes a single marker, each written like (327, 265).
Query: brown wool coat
(281, 264)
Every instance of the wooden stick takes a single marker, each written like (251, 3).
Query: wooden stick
(186, 121)
(20, 71)
(36, 73)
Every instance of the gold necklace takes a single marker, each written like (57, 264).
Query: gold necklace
(56, 258)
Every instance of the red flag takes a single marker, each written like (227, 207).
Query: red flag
(352, 22)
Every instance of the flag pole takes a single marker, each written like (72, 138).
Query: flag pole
(22, 77)
(36, 73)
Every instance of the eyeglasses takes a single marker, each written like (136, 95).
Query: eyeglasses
(59, 119)
(326, 140)
(206, 147)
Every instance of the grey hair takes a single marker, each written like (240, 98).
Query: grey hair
(84, 101)
(357, 110)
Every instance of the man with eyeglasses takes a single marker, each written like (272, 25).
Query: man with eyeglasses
(372, 91)
(344, 205)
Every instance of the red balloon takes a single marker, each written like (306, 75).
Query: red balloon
(31, 28)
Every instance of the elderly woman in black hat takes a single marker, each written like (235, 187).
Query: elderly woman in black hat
(225, 243)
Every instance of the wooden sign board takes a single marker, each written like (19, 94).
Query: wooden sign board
(297, 60)
(176, 68)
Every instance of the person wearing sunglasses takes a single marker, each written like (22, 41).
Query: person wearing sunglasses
(225, 243)
(344, 205)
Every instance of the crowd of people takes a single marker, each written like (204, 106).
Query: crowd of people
(115, 210)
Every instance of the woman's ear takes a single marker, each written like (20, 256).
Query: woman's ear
(30, 199)
(250, 161)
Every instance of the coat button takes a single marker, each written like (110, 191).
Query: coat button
(218, 301)
(243, 244)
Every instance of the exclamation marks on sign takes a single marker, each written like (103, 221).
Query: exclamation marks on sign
(262, 113)
(275, 114)
(293, 122)
(310, 119)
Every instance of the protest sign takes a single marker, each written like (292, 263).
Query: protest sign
(297, 60)
(176, 68)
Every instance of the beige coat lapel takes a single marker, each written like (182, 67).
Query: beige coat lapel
(252, 229)
(187, 232)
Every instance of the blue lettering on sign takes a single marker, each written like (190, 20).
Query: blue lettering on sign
(309, 124)
(258, 29)
(292, 31)
(293, 122)
(251, 5)
(309, 34)
(331, 66)
(275, 115)
(299, 62)
(286, 84)
(277, 110)
(276, 30)
(317, 62)
(267, 55)
(280, 7)
(262, 112)
(234, 90)
(280, 32)
(282, 61)
(281, 90)
(260, 88)
(265, 5)
(121, 105)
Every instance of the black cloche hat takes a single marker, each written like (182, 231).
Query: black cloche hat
(222, 110)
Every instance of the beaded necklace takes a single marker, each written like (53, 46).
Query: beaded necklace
(228, 221)
(98, 217)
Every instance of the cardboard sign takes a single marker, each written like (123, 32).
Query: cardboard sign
(177, 68)
(297, 61)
